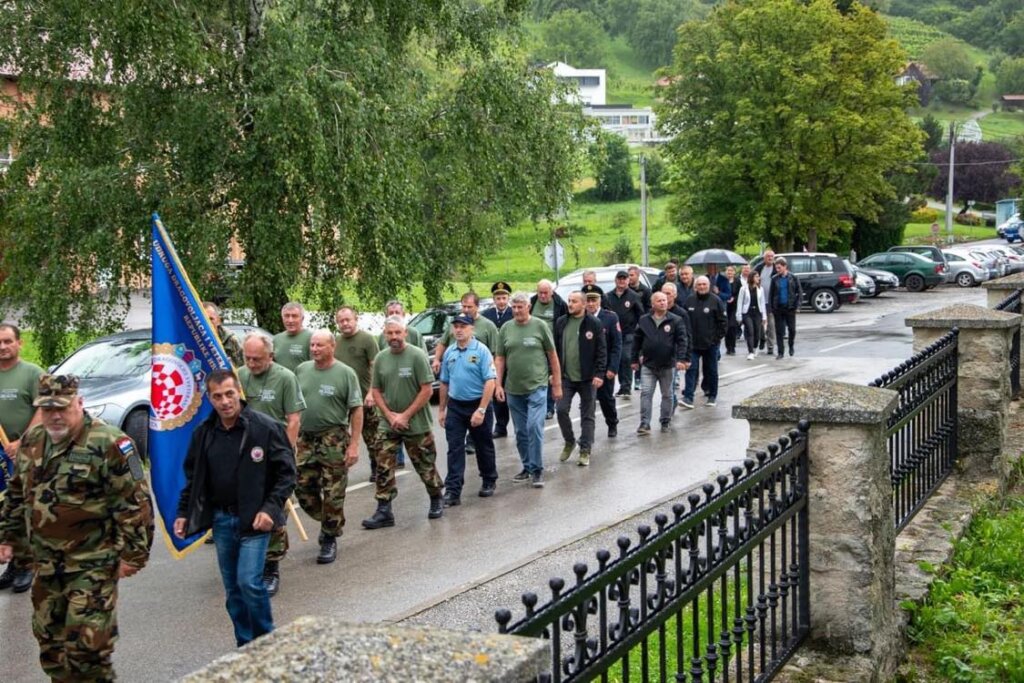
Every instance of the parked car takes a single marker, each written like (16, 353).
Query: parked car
(967, 272)
(994, 262)
(605, 278)
(1014, 222)
(865, 284)
(884, 280)
(1014, 261)
(114, 375)
(930, 252)
(915, 272)
(826, 280)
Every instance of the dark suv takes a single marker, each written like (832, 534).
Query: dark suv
(825, 280)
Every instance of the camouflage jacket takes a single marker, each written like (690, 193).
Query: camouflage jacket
(233, 347)
(83, 507)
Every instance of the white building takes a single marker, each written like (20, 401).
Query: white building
(591, 84)
(636, 124)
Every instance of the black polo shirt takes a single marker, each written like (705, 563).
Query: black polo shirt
(222, 460)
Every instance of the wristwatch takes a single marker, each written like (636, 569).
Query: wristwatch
(482, 411)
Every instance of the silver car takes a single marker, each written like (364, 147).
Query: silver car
(114, 374)
(967, 271)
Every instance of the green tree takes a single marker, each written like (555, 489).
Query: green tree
(787, 121)
(576, 38)
(359, 146)
(948, 59)
(609, 157)
(932, 130)
(652, 33)
(1010, 76)
(656, 173)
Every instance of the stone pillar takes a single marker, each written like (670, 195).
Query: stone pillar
(1000, 288)
(850, 512)
(983, 380)
(322, 649)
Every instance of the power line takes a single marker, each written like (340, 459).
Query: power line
(965, 163)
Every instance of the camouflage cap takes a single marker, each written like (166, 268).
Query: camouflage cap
(56, 391)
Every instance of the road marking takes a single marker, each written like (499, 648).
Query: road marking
(740, 372)
(356, 487)
(839, 346)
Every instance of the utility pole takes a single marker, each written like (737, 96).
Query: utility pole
(643, 207)
(949, 188)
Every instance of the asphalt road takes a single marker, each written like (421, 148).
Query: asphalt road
(172, 618)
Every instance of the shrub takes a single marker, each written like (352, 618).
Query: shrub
(621, 251)
(967, 219)
(925, 215)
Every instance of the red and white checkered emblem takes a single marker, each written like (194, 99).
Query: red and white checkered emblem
(175, 391)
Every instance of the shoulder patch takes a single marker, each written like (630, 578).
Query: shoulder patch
(124, 444)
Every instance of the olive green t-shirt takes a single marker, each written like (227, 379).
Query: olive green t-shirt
(524, 347)
(545, 312)
(330, 394)
(412, 337)
(571, 349)
(18, 388)
(275, 393)
(485, 331)
(357, 352)
(399, 377)
(290, 350)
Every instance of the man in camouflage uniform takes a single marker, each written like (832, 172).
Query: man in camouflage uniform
(228, 340)
(401, 388)
(328, 439)
(271, 389)
(79, 492)
(357, 348)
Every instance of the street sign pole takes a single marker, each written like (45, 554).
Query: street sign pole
(643, 207)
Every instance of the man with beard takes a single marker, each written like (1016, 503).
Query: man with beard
(583, 357)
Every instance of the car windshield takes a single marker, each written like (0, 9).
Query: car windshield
(114, 358)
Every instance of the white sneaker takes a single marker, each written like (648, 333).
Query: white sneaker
(751, 356)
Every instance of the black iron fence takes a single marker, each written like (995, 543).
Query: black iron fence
(719, 592)
(922, 430)
(1011, 304)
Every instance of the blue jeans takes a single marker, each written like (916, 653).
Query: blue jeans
(709, 357)
(240, 559)
(528, 413)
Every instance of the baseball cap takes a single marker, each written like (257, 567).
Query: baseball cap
(56, 391)
(621, 273)
(462, 320)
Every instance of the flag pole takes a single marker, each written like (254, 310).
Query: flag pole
(4, 441)
(295, 518)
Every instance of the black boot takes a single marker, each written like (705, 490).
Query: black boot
(7, 578)
(381, 518)
(22, 580)
(271, 577)
(328, 549)
(436, 508)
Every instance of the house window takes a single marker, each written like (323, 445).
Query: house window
(588, 81)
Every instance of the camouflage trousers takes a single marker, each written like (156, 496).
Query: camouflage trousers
(323, 478)
(422, 452)
(372, 436)
(75, 622)
(278, 546)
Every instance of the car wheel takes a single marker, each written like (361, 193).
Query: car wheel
(824, 301)
(137, 427)
(915, 283)
(965, 279)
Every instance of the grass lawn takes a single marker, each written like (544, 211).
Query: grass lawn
(921, 233)
(1002, 126)
(971, 627)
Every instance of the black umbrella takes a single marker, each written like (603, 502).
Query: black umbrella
(716, 257)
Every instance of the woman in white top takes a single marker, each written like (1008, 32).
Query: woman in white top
(750, 310)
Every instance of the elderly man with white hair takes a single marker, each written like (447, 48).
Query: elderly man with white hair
(708, 325)
(548, 307)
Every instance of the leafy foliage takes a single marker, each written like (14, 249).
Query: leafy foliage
(948, 59)
(652, 31)
(1010, 77)
(787, 121)
(982, 172)
(913, 35)
(932, 130)
(609, 156)
(364, 144)
(574, 37)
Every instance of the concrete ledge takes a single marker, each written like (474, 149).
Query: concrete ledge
(1008, 282)
(818, 401)
(319, 649)
(964, 316)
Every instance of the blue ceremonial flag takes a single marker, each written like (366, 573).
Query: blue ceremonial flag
(185, 350)
(6, 468)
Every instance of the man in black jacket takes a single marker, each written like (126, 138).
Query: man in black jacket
(785, 296)
(661, 347)
(671, 274)
(627, 304)
(239, 472)
(583, 357)
(613, 340)
(707, 320)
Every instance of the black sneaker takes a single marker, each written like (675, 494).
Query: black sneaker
(550, 415)
(7, 578)
(521, 477)
(487, 490)
(613, 431)
(271, 577)
(790, 351)
(451, 500)
(22, 580)
(643, 430)
(499, 433)
(666, 427)
(537, 480)
(780, 356)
